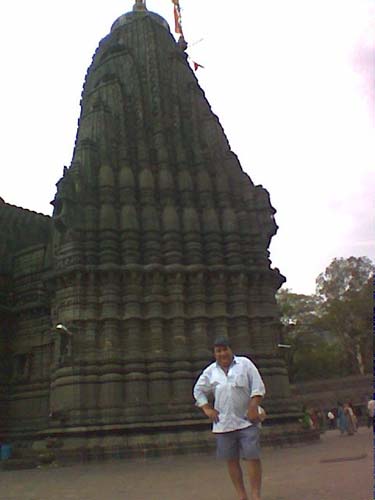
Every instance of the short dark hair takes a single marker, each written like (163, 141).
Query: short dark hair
(222, 341)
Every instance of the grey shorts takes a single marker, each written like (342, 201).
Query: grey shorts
(243, 443)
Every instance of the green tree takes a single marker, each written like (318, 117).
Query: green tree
(344, 277)
(297, 308)
(346, 292)
(302, 331)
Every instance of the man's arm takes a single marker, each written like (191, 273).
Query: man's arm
(210, 412)
(201, 390)
(257, 391)
(253, 409)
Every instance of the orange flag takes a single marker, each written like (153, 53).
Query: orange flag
(177, 17)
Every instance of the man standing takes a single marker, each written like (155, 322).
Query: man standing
(237, 388)
(370, 412)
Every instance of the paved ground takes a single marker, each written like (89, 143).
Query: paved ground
(337, 468)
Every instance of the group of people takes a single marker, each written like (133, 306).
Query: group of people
(313, 419)
(347, 421)
(344, 417)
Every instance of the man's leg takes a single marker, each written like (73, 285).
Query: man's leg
(254, 468)
(235, 473)
(227, 449)
(250, 451)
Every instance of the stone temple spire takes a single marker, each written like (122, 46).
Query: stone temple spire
(160, 244)
(140, 5)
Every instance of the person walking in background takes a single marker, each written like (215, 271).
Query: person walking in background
(306, 420)
(342, 420)
(314, 418)
(237, 388)
(349, 419)
(331, 419)
(370, 412)
(352, 416)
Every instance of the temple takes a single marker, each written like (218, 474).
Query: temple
(158, 243)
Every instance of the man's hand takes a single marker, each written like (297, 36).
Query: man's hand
(253, 410)
(211, 413)
(253, 414)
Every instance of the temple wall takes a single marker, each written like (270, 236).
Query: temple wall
(29, 343)
(325, 394)
(141, 338)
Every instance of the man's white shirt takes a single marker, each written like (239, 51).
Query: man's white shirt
(231, 392)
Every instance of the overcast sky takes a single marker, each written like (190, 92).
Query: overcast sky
(291, 82)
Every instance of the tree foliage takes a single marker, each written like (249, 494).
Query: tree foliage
(297, 308)
(344, 277)
(347, 289)
(303, 333)
(329, 333)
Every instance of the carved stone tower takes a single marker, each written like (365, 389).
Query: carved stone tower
(159, 243)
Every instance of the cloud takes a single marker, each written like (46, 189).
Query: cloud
(363, 64)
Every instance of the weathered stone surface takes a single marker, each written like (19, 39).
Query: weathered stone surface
(159, 244)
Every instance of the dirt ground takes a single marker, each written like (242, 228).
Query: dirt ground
(336, 468)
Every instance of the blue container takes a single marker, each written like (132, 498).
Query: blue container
(6, 451)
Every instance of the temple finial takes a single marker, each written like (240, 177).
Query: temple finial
(140, 5)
